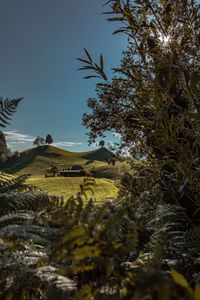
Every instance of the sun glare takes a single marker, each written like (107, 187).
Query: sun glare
(164, 39)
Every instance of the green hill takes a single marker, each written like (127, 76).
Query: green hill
(101, 154)
(37, 161)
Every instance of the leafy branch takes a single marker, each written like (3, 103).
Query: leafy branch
(91, 65)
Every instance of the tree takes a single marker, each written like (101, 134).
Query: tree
(39, 141)
(49, 139)
(42, 140)
(4, 153)
(154, 103)
(102, 143)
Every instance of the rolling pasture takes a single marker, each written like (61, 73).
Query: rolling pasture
(70, 186)
(38, 161)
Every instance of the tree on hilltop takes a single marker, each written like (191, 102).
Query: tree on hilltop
(102, 143)
(39, 141)
(49, 139)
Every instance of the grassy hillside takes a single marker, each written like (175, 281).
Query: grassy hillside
(36, 161)
(62, 186)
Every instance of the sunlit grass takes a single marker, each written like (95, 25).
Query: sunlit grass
(69, 186)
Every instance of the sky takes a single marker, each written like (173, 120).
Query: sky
(39, 43)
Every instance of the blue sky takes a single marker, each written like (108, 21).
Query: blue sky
(39, 43)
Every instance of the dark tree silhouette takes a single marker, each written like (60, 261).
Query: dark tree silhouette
(102, 143)
(39, 141)
(49, 139)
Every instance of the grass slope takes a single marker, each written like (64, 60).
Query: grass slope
(69, 186)
(36, 161)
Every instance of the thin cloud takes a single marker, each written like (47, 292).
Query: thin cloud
(15, 138)
(67, 144)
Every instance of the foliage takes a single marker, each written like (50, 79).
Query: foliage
(82, 250)
(102, 143)
(154, 102)
(4, 152)
(39, 141)
(90, 65)
(7, 108)
(26, 241)
(49, 139)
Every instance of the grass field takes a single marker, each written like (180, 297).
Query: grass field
(69, 186)
(37, 161)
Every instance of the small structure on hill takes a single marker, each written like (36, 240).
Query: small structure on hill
(69, 171)
(73, 171)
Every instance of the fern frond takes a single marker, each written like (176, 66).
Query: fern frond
(192, 241)
(23, 269)
(10, 184)
(50, 275)
(27, 201)
(16, 218)
(37, 235)
(7, 109)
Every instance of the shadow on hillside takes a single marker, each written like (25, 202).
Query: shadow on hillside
(108, 171)
(101, 154)
(26, 158)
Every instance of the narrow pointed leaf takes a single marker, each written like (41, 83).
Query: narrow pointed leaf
(83, 60)
(88, 55)
(101, 62)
